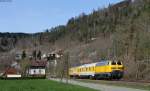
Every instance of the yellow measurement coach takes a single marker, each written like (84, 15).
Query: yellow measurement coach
(98, 70)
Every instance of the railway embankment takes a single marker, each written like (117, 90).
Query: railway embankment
(99, 86)
(143, 85)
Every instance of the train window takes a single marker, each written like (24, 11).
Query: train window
(113, 63)
(119, 63)
(86, 69)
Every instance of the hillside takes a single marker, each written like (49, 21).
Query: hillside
(119, 32)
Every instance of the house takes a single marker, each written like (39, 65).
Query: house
(37, 69)
(44, 56)
(18, 56)
(11, 72)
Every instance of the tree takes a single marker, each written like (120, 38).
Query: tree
(4, 42)
(39, 55)
(23, 54)
(64, 68)
(34, 54)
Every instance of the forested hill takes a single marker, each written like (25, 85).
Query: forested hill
(13, 35)
(121, 17)
(120, 32)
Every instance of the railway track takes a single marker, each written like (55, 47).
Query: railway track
(122, 80)
(134, 81)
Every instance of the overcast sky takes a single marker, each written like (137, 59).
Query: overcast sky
(32, 16)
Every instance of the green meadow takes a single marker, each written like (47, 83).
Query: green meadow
(38, 85)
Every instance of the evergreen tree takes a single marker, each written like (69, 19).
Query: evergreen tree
(34, 54)
(23, 54)
(39, 55)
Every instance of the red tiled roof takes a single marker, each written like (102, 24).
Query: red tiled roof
(10, 71)
(38, 63)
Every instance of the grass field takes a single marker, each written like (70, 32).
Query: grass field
(38, 85)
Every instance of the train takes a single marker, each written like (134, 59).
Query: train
(105, 69)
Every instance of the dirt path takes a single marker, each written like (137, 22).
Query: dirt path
(99, 86)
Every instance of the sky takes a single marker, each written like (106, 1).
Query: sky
(31, 16)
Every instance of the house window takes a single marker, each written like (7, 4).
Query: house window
(34, 71)
(40, 71)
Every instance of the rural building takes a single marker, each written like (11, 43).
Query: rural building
(12, 73)
(18, 56)
(37, 69)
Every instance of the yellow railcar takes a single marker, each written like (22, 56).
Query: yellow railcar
(73, 72)
(103, 69)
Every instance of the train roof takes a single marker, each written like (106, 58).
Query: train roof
(101, 62)
(87, 65)
(96, 63)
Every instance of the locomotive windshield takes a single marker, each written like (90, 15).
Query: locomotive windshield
(113, 63)
(119, 63)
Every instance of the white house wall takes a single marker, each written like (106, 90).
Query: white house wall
(37, 71)
(13, 76)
